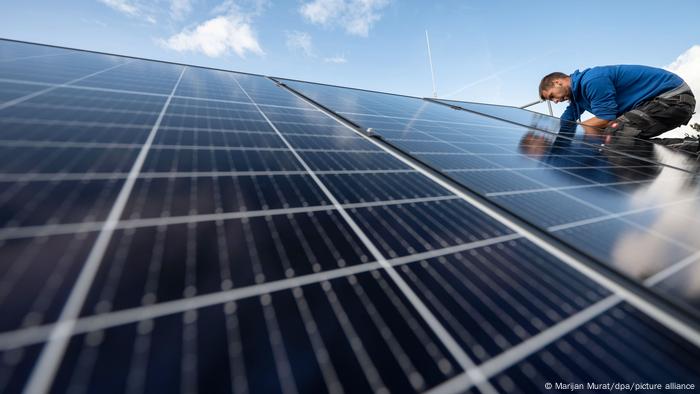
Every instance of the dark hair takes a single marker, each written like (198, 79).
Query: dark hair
(548, 81)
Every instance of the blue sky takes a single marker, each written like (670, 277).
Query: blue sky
(488, 51)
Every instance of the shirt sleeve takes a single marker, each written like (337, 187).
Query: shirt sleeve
(601, 93)
(570, 114)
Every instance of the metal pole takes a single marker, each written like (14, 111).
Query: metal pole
(549, 106)
(531, 104)
(430, 59)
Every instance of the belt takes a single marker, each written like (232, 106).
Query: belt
(681, 89)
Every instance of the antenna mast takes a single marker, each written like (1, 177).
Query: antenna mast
(430, 60)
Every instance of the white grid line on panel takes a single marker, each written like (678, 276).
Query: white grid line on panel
(572, 187)
(79, 87)
(531, 168)
(33, 57)
(86, 176)
(597, 219)
(112, 145)
(244, 102)
(25, 82)
(136, 92)
(108, 125)
(73, 228)
(46, 367)
(491, 126)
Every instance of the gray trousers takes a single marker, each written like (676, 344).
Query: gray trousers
(656, 116)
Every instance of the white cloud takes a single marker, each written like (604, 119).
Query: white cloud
(355, 16)
(93, 22)
(300, 41)
(338, 59)
(217, 36)
(179, 9)
(130, 8)
(123, 6)
(322, 11)
(687, 66)
(251, 7)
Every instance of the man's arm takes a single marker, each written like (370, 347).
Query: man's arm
(600, 92)
(568, 121)
(595, 125)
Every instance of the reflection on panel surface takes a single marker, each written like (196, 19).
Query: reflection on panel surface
(174, 228)
(632, 214)
(634, 146)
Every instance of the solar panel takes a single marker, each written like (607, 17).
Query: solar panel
(173, 228)
(614, 207)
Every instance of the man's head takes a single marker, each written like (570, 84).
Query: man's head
(555, 87)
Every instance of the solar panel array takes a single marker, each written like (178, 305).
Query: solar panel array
(171, 228)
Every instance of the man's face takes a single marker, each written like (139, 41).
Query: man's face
(557, 93)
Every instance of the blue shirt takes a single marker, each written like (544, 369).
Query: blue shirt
(609, 91)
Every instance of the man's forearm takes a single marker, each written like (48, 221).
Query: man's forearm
(594, 125)
(596, 122)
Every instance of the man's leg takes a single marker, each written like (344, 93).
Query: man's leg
(654, 117)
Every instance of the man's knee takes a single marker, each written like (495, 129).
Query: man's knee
(623, 127)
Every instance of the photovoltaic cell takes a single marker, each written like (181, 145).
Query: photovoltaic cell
(153, 197)
(16, 366)
(35, 203)
(20, 68)
(221, 234)
(37, 276)
(10, 91)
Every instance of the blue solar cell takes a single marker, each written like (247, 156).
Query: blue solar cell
(356, 188)
(220, 138)
(405, 229)
(210, 84)
(56, 69)
(30, 130)
(45, 160)
(186, 196)
(188, 160)
(137, 76)
(17, 364)
(38, 274)
(11, 91)
(35, 203)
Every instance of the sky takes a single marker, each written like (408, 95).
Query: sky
(486, 51)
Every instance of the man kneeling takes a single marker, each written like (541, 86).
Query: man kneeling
(626, 100)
